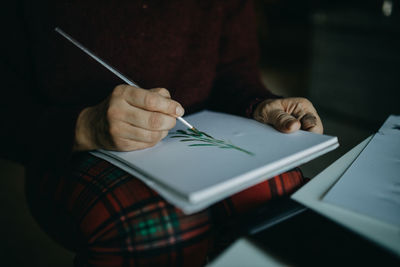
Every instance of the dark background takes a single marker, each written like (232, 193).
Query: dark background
(343, 55)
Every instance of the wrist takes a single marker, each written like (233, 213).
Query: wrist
(83, 139)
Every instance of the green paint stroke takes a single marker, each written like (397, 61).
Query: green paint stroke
(204, 139)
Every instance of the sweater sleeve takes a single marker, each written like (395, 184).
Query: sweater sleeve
(33, 131)
(238, 87)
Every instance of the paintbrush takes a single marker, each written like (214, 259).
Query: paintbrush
(110, 68)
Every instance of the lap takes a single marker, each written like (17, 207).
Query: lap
(108, 215)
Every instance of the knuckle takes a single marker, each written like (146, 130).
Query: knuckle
(118, 90)
(113, 112)
(149, 136)
(154, 136)
(164, 92)
(305, 101)
(171, 109)
(114, 130)
(278, 115)
(151, 101)
(161, 91)
(155, 121)
(133, 92)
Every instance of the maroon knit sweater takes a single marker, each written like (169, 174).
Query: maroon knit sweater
(203, 51)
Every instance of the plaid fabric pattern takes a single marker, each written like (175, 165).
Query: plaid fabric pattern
(112, 219)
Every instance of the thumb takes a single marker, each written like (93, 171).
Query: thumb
(283, 121)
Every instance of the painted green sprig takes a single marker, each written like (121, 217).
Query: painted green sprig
(204, 139)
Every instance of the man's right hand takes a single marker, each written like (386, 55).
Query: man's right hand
(130, 118)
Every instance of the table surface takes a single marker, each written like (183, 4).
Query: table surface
(304, 240)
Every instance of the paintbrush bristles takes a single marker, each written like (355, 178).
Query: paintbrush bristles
(195, 130)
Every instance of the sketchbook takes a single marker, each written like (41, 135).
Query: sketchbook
(194, 170)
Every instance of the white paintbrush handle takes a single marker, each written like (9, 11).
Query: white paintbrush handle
(106, 65)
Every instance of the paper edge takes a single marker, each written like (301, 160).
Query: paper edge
(312, 193)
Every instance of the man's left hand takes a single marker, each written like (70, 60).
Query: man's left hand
(289, 115)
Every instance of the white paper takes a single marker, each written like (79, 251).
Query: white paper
(202, 175)
(244, 253)
(371, 185)
(310, 195)
(391, 125)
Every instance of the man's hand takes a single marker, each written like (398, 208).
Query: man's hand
(130, 118)
(289, 114)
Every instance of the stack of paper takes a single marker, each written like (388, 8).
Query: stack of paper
(359, 187)
(233, 153)
(371, 185)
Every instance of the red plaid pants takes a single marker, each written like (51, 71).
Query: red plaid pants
(110, 218)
